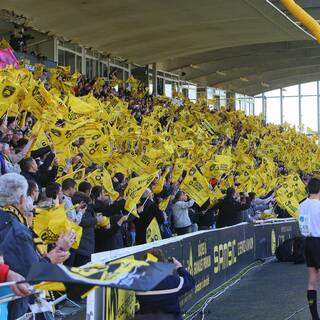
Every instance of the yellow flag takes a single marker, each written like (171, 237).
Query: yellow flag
(196, 186)
(50, 223)
(41, 140)
(50, 286)
(179, 165)
(101, 177)
(153, 231)
(79, 106)
(105, 221)
(164, 203)
(215, 196)
(217, 166)
(288, 201)
(10, 92)
(38, 70)
(136, 188)
(159, 185)
(77, 176)
(38, 99)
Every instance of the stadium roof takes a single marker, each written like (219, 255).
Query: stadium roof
(232, 44)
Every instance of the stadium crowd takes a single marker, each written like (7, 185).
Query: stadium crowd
(82, 145)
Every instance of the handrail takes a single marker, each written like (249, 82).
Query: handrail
(305, 18)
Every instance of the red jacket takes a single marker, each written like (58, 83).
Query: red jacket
(4, 269)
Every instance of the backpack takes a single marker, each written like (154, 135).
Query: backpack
(284, 252)
(291, 250)
(298, 250)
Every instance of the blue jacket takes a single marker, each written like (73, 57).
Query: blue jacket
(164, 298)
(2, 164)
(17, 247)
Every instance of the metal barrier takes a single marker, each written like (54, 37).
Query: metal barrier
(212, 257)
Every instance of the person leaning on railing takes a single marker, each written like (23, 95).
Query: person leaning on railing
(18, 243)
(162, 302)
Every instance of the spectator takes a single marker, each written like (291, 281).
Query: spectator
(33, 195)
(88, 223)
(74, 213)
(43, 174)
(16, 239)
(85, 187)
(53, 196)
(181, 220)
(112, 236)
(17, 135)
(230, 209)
(147, 210)
(162, 302)
(10, 166)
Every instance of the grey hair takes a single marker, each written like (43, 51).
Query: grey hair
(12, 187)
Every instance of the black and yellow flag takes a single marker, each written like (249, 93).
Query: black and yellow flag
(135, 189)
(126, 274)
(50, 223)
(196, 186)
(153, 231)
(101, 177)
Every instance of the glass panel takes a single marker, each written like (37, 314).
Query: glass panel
(168, 89)
(273, 93)
(79, 63)
(309, 113)
(89, 68)
(309, 88)
(61, 57)
(273, 110)
(126, 75)
(291, 110)
(70, 60)
(258, 106)
(247, 107)
(193, 93)
(291, 91)
(251, 107)
(210, 93)
(238, 104)
(160, 86)
(185, 89)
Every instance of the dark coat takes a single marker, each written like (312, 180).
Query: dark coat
(109, 210)
(18, 250)
(166, 303)
(109, 239)
(88, 222)
(230, 212)
(206, 220)
(151, 210)
(44, 175)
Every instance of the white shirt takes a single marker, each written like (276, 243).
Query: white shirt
(73, 215)
(309, 218)
(181, 217)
